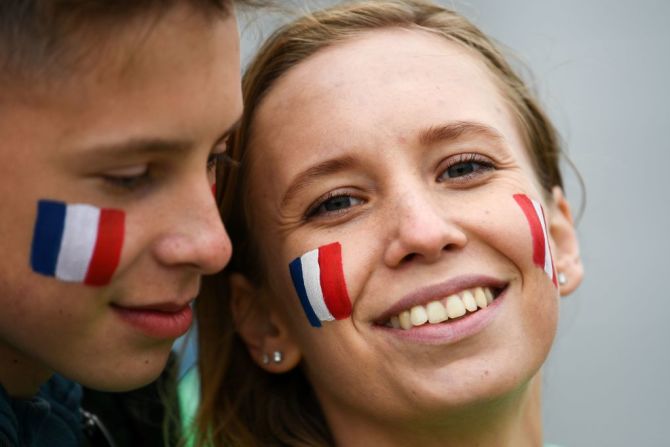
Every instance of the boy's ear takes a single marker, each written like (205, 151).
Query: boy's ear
(565, 245)
(265, 334)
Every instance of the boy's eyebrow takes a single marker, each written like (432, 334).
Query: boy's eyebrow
(150, 146)
(308, 176)
(453, 131)
(139, 146)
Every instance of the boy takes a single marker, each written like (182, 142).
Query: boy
(113, 116)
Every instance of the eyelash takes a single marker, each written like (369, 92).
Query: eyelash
(128, 183)
(134, 182)
(484, 163)
(220, 157)
(461, 159)
(313, 211)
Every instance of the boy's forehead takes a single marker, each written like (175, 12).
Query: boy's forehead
(142, 83)
(102, 49)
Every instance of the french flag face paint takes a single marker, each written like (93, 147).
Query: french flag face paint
(77, 242)
(538, 229)
(319, 281)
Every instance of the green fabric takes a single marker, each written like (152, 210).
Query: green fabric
(188, 391)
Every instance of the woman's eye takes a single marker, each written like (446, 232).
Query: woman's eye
(333, 204)
(466, 167)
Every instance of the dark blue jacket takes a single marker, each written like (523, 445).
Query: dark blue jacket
(51, 418)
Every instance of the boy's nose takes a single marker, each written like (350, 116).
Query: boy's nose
(198, 238)
(421, 231)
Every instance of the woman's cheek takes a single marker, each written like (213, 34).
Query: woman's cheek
(325, 281)
(516, 227)
(319, 282)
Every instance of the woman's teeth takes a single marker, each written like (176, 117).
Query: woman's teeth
(453, 306)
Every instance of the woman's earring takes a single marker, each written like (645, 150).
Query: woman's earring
(562, 279)
(277, 357)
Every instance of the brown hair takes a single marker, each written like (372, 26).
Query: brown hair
(241, 404)
(45, 38)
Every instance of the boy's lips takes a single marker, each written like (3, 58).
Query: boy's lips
(166, 320)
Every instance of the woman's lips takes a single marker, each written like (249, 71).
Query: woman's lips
(456, 305)
(471, 304)
(441, 291)
(164, 321)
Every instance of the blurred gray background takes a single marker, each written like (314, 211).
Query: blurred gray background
(602, 69)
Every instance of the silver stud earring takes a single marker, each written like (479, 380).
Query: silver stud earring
(562, 279)
(277, 356)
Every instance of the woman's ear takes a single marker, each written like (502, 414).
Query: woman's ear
(265, 334)
(565, 245)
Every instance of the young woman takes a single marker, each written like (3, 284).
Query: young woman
(401, 241)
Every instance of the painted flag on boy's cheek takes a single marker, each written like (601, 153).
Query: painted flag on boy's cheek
(77, 242)
(538, 228)
(318, 278)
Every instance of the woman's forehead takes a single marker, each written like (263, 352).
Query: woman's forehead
(375, 59)
(381, 87)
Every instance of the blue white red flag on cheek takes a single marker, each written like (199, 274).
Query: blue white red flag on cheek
(538, 229)
(77, 242)
(318, 278)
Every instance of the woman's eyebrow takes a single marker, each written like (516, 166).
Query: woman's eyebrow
(456, 130)
(311, 174)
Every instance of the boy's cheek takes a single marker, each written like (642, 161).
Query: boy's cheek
(78, 243)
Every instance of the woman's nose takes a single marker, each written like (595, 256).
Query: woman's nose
(421, 230)
(197, 238)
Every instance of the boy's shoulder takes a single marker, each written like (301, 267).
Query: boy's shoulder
(51, 417)
(147, 416)
(8, 422)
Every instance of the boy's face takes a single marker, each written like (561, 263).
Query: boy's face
(133, 131)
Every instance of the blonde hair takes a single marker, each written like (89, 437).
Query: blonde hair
(241, 404)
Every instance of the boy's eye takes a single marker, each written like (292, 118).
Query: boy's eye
(333, 204)
(466, 166)
(220, 157)
(127, 178)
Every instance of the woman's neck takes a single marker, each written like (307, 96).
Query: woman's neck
(515, 420)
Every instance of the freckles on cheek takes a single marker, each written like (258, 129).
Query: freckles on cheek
(318, 278)
(77, 242)
(534, 214)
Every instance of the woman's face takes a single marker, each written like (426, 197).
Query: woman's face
(399, 146)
